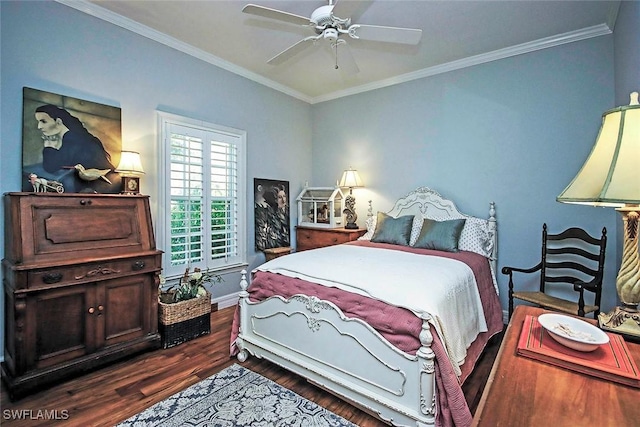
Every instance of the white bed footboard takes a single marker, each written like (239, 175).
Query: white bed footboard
(314, 339)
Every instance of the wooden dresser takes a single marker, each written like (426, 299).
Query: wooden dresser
(314, 237)
(80, 285)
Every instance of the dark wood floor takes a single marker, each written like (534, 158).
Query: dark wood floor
(114, 393)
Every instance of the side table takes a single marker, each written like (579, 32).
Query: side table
(525, 392)
(273, 253)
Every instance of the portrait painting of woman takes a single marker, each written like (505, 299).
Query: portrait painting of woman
(271, 209)
(70, 141)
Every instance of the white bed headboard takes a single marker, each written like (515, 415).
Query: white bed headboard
(478, 235)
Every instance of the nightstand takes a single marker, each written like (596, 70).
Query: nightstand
(273, 253)
(314, 237)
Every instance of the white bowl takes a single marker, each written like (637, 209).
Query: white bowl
(573, 333)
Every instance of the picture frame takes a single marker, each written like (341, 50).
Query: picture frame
(69, 144)
(271, 214)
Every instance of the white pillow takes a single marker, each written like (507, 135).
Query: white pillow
(475, 237)
(371, 228)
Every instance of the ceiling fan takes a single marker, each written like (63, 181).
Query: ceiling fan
(332, 22)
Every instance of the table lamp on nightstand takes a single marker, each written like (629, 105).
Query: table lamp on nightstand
(130, 168)
(610, 177)
(351, 179)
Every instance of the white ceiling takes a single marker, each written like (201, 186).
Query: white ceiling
(455, 34)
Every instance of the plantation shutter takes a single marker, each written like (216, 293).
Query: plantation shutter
(203, 185)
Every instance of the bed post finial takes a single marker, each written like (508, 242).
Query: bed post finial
(243, 284)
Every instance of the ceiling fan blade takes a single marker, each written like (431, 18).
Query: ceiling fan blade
(345, 60)
(345, 8)
(385, 34)
(279, 15)
(292, 51)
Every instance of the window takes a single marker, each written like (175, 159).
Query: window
(203, 212)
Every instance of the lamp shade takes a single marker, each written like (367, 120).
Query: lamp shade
(351, 179)
(130, 163)
(611, 175)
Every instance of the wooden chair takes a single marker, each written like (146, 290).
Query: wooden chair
(571, 258)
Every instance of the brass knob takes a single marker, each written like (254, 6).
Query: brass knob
(91, 310)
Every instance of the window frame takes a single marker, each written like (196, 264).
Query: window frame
(239, 139)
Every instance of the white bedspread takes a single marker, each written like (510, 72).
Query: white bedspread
(442, 287)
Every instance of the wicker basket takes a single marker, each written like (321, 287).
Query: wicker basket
(183, 321)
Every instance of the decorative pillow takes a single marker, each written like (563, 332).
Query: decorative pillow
(372, 221)
(440, 235)
(415, 230)
(475, 237)
(371, 227)
(392, 230)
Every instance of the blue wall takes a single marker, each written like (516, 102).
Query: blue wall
(514, 131)
(627, 51)
(52, 47)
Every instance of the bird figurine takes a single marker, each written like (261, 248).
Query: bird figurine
(92, 174)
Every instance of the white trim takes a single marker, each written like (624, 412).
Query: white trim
(557, 40)
(552, 41)
(225, 301)
(164, 120)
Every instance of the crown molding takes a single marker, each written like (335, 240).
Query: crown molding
(570, 37)
(545, 43)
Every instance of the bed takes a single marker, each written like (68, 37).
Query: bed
(355, 318)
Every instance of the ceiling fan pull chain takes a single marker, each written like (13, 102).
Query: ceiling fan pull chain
(336, 55)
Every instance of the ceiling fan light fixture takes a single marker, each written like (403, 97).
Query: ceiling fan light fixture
(330, 34)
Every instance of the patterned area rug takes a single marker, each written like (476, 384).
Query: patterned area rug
(236, 397)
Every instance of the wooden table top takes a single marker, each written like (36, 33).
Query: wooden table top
(526, 392)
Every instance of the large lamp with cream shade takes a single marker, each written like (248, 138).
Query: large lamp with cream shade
(610, 177)
(350, 179)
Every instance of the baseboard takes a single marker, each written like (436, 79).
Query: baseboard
(226, 300)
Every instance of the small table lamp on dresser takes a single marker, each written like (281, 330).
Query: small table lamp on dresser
(610, 177)
(350, 179)
(130, 168)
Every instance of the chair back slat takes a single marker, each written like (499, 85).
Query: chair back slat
(575, 233)
(552, 267)
(575, 251)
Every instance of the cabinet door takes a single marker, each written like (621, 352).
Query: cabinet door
(124, 309)
(59, 327)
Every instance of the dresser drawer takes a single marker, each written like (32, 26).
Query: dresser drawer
(313, 238)
(90, 272)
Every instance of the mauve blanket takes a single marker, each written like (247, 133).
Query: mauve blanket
(400, 326)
